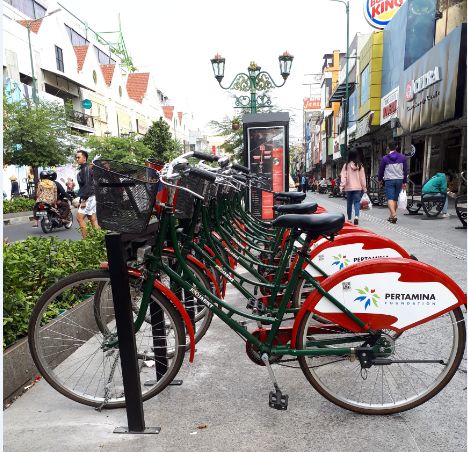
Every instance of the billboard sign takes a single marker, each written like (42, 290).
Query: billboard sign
(431, 89)
(312, 103)
(389, 106)
(379, 13)
(266, 156)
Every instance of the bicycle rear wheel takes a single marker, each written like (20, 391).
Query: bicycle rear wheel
(81, 359)
(393, 388)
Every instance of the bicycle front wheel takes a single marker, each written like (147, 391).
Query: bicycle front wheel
(432, 351)
(80, 358)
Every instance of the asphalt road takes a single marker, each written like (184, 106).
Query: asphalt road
(21, 231)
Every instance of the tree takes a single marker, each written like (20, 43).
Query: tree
(128, 150)
(234, 141)
(35, 135)
(160, 141)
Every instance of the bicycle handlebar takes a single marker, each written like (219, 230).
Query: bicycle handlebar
(242, 169)
(205, 156)
(203, 174)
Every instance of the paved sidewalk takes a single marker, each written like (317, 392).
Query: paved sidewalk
(17, 218)
(223, 402)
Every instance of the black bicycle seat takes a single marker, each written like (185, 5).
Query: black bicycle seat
(308, 207)
(289, 194)
(320, 224)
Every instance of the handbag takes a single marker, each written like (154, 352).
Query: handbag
(365, 203)
(402, 200)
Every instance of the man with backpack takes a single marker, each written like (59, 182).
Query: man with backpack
(87, 207)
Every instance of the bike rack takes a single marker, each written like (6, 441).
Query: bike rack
(126, 335)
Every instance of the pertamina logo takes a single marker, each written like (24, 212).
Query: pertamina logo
(368, 296)
(340, 261)
(379, 13)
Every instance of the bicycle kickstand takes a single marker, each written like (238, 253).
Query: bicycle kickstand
(277, 399)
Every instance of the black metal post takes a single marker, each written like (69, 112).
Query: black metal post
(126, 335)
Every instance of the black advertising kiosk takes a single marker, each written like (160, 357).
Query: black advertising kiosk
(266, 151)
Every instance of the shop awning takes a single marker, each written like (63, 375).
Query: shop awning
(340, 92)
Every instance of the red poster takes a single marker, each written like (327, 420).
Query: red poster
(266, 157)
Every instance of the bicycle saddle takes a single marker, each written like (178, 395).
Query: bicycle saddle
(308, 207)
(289, 196)
(321, 224)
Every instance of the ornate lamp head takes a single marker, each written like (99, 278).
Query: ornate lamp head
(218, 67)
(254, 69)
(285, 62)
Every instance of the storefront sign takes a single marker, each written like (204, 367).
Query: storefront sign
(432, 89)
(389, 106)
(312, 103)
(336, 148)
(364, 125)
(379, 13)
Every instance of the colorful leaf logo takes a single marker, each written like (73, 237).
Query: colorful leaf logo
(341, 261)
(368, 297)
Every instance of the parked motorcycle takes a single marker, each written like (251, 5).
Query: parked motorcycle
(51, 218)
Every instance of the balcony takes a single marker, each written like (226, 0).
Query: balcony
(80, 121)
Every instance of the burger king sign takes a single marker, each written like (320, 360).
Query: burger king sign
(379, 13)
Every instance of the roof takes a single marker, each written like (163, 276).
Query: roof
(35, 25)
(168, 112)
(137, 84)
(108, 72)
(80, 52)
(180, 114)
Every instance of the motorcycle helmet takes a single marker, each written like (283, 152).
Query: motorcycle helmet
(48, 174)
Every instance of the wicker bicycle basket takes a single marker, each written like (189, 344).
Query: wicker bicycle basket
(185, 202)
(125, 195)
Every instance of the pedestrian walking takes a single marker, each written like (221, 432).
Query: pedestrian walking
(304, 183)
(15, 191)
(393, 171)
(353, 183)
(87, 207)
(438, 184)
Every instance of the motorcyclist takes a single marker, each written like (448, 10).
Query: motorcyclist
(46, 192)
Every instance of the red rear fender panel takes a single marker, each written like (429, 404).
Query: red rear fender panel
(350, 249)
(174, 300)
(397, 294)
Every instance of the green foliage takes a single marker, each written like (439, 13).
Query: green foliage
(127, 150)
(35, 135)
(160, 141)
(32, 265)
(233, 143)
(18, 205)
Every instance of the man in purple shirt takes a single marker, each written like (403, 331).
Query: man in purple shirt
(394, 172)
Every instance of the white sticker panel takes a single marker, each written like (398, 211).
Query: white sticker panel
(383, 293)
(335, 258)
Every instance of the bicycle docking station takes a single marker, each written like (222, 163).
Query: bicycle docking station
(126, 337)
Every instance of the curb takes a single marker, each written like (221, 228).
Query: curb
(17, 220)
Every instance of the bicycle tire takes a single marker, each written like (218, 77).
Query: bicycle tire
(202, 315)
(69, 350)
(326, 374)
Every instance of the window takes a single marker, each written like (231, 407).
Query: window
(59, 58)
(103, 58)
(31, 8)
(75, 38)
(365, 85)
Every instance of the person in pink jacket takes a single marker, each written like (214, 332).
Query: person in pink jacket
(353, 182)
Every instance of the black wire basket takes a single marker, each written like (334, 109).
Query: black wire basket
(184, 201)
(125, 195)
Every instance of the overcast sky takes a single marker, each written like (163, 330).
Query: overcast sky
(175, 40)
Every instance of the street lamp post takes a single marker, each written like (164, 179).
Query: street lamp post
(346, 109)
(255, 80)
(28, 26)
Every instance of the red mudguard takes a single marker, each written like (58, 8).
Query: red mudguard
(175, 301)
(395, 294)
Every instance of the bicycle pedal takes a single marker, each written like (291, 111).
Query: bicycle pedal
(278, 400)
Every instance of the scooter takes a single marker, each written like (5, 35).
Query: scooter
(51, 218)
